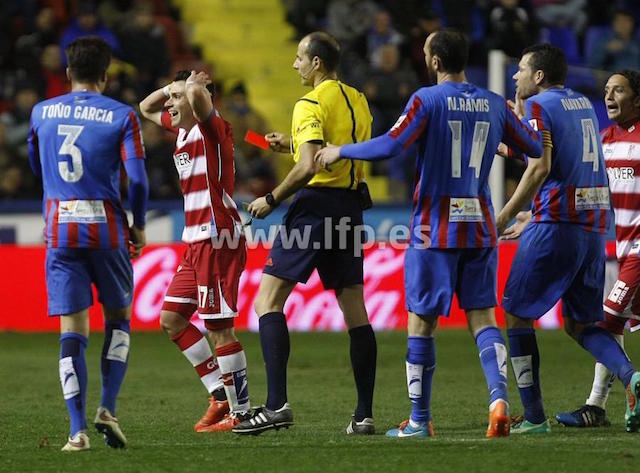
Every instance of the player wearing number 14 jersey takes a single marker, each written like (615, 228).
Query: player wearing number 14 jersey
(456, 128)
(78, 144)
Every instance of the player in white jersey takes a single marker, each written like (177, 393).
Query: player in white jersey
(209, 272)
(621, 147)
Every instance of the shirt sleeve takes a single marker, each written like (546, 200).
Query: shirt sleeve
(307, 122)
(403, 134)
(132, 144)
(539, 120)
(213, 126)
(34, 151)
(520, 137)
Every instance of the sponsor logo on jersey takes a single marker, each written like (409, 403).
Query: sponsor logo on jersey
(590, 198)
(621, 174)
(618, 292)
(465, 210)
(183, 161)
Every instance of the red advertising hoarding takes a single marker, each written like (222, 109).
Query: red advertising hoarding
(24, 303)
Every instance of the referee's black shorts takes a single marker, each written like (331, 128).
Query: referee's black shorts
(308, 239)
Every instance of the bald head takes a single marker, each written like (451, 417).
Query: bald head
(325, 47)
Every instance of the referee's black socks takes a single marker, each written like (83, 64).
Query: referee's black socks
(363, 351)
(274, 338)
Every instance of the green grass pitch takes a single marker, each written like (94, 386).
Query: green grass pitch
(162, 398)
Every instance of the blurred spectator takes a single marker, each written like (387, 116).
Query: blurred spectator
(509, 28)
(17, 119)
(561, 13)
(29, 47)
(254, 174)
(53, 75)
(388, 89)
(16, 180)
(381, 34)
(87, 22)
(620, 49)
(426, 23)
(144, 46)
(306, 15)
(349, 21)
(163, 179)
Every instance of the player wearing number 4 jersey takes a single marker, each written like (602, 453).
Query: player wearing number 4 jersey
(209, 272)
(621, 147)
(561, 253)
(456, 128)
(78, 143)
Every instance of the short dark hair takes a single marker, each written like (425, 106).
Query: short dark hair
(452, 47)
(184, 75)
(633, 77)
(550, 60)
(88, 58)
(326, 47)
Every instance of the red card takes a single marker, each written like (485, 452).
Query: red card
(256, 139)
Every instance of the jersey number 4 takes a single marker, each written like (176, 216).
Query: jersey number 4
(589, 143)
(479, 143)
(71, 134)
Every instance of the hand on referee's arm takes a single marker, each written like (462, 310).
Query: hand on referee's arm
(327, 156)
(279, 142)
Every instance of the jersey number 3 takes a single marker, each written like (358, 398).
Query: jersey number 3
(479, 143)
(71, 134)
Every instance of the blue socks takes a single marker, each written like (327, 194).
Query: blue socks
(73, 378)
(421, 363)
(115, 355)
(493, 358)
(363, 351)
(274, 338)
(525, 360)
(606, 350)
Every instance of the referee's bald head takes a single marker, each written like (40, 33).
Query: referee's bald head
(325, 47)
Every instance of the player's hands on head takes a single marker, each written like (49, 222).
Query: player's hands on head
(515, 230)
(278, 142)
(259, 208)
(327, 156)
(198, 78)
(137, 241)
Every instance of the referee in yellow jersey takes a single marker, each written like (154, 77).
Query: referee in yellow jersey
(336, 113)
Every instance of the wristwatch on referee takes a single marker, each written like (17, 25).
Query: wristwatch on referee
(271, 200)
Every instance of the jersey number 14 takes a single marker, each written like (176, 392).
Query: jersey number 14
(479, 143)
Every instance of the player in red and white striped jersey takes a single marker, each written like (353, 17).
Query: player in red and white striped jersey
(208, 276)
(621, 147)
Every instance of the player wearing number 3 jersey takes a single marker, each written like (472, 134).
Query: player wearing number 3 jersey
(78, 144)
(455, 128)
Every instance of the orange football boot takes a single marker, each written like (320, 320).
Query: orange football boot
(215, 413)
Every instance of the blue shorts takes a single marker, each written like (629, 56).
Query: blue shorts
(333, 253)
(432, 276)
(554, 261)
(70, 272)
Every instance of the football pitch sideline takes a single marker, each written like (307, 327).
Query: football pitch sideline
(162, 398)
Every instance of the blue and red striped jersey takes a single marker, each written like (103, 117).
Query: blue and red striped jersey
(456, 129)
(79, 142)
(576, 189)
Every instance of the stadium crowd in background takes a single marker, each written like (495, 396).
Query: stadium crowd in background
(381, 42)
